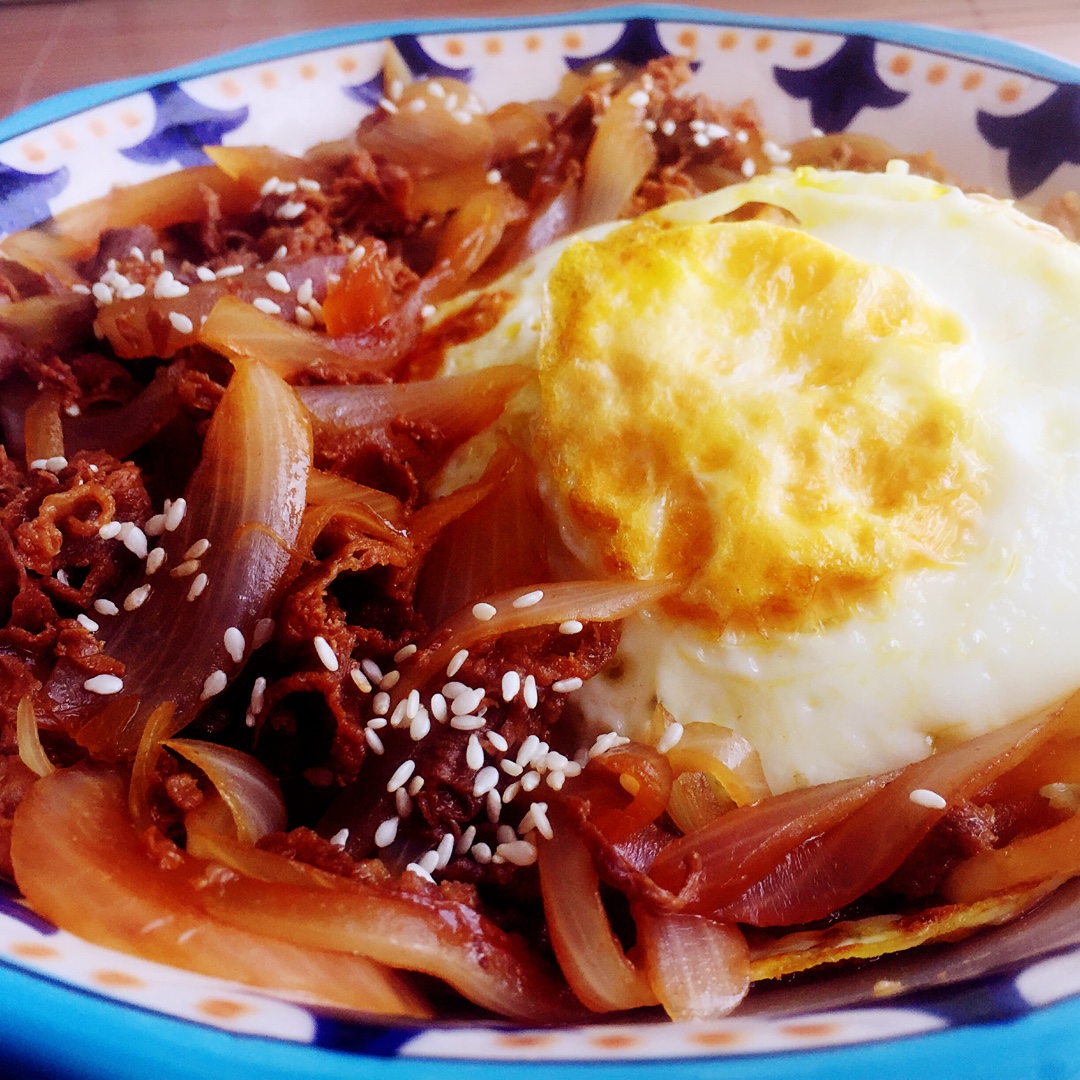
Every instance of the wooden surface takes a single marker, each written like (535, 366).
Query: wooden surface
(52, 46)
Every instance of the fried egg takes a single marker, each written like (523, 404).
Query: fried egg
(849, 430)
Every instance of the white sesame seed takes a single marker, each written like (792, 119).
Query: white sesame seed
(360, 679)
(136, 598)
(555, 761)
(372, 670)
(155, 526)
(109, 531)
(373, 740)
(278, 282)
(528, 693)
(215, 682)
(438, 707)
(748, 167)
(572, 768)
(154, 560)
(540, 756)
(181, 323)
(417, 105)
(304, 317)
(493, 176)
(567, 686)
(386, 833)
(175, 514)
(404, 653)
(266, 305)
(412, 702)
(419, 871)
(527, 749)
(264, 631)
(316, 309)
(101, 292)
(511, 768)
(701, 139)
(105, 607)
(258, 696)
(235, 644)
(168, 288)
(776, 154)
(481, 853)
(556, 779)
(416, 785)
(605, 67)
(483, 612)
(377, 723)
(510, 792)
(639, 99)
(493, 806)
(402, 803)
(467, 701)
(340, 838)
(198, 585)
(716, 131)
(305, 183)
(389, 680)
(137, 255)
(668, 127)
(467, 723)
(465, 840)
(498, 742)
(269, 187)
(420, 726)
(204, 273)
(672, 734)
(428, 310)
(897, 167)
(436, 90)
(530, 781)
(283, 250)
(401, 775)
(185, 569)
(305, 292)
(104, 685)
(930, 799)
(697, 125)
(380, 704)
(504, 834)
(87, 623)
(229, 271)
(487, 779)
(62, 577)
(397, 717)
(291, 210)
(55, 464)
(649, 125)
(444, 851)
(80, 288)
(456, 662)
(816, 132)
(518, 852)
(38, 463)
(198, 549)
(540, 817)
(357, 254)
(452, 689)
(388, 105)
(135, 542)
(474, 754)
(571, 626)
(157, 256)
(529, 598)
(132, 292)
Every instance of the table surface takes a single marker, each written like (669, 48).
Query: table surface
(54, 45)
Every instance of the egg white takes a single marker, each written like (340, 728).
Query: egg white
(952, 651)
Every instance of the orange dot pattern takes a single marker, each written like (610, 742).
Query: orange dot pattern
(1009, 91)
(223, 1008)
(972, 80)
(119, 979)
(32, 950)
(937, 73)
(900, 64)
(803, 48)
(729, 39)
(763, 42)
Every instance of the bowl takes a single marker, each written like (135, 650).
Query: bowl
(1002, 117)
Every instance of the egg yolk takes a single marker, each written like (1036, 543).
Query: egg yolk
(750, 411)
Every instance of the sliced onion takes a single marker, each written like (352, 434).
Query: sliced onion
(248, 788)
(247, 498)
(158, 724)
(620, 157)
(28, 739)
(81, 864)
(142, 327)
(318, 518)
(252, 166)
(589, 954)
(53, 322)
(725, 755)
(326, 488)
(626, 788)
(696, 801)
(421, 930)
(699, 969)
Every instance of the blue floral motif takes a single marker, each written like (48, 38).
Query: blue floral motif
(840, 88)
(637, 45)
(1038, 141)
(420, 65)
(9, 902)
(24, 197)
(182, 127)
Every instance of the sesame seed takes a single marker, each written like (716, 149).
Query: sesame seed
(493, 176)
(306, 291)
(518, 852)
(132, 292)
(493, 805)
(105, 607)
(436, 90)
(554, 760)
(412, 703)
(498, 742)
(511, 768)
(61, 576)
(672, 734)
(372, 670)
(404, 653)
(269, 187)
(340, 838)
(567, 686)
(483, 612)
(402, 803)
(136, 598)
(360, 679)
(289, 211)
(529, 598)
(930, 799)
(540, 817)
(428, 310)
(438, 707)
(452, 689)
(109, 531)
(474, 754)
(168, 288)
(235, 644)
(198, 549)
(155, 525)
(135, 541)
(357, 254)
(572, 768)
(668, 127)
(467, 723)
(701, 139)
(258, 696)
(304, 317)
(697, 125)
(283, 250)
(420, 726)
(716, 131)
(429, 861)
(389, 680)
(417, 105)
(101, 292)
(456, 662)
(816, 132)
(305, 183)
(504, 834)
(175, 514)
(401, 775)
(38, 463)
(465, 840)
(380, 704)
(445, 850)
(556, 779)
(229, 271)
(80, 288)
(897, 167)
(154, 560)
(278, 282)
(373, 740)
(264, 631)
(215, 682)
(603, 68)
(530, 781)
(481, 853)
(639, 99)
(181, 323)
(104, 685)
(204, 273)
(185, 569)
(528, 693)
(377, 723)
(397, 717)
(748, 168)
(198, 585)
(386, 833)
(467, 702)
(87, 623)
(419, 871)
(388, 105)
(266, 305)
(649, 126)
(510, 792)
(527, 750)
(776, 154)
(55, 464)
(157, 256)
(540, 756)
(416, 785)
(487, 779)
(137, 255)
(571, 626)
